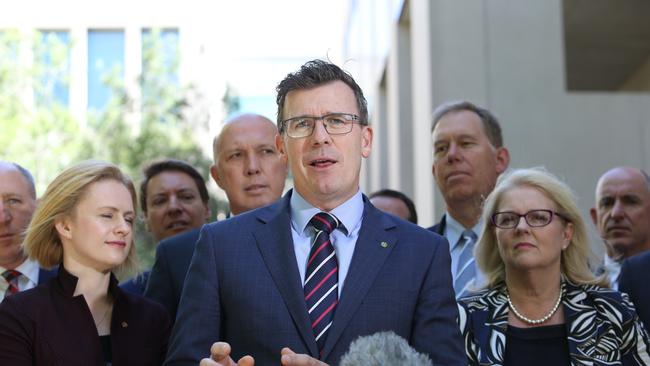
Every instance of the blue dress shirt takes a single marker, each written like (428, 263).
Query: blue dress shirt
(350, 213)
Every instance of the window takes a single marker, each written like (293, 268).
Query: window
(160, 59)
(105, 64)
(52, 67)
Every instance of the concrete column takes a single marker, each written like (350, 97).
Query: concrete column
(422, 107)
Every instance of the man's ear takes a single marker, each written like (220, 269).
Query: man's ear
(214, 172)
(503, 159)
(594, 216)
(145, 221)
(208, 211)
(366, 141)
(279, 145)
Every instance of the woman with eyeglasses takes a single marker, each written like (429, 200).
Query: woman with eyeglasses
(83, 225)
(542, 304)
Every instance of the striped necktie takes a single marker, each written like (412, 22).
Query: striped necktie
(12, 277)
(322, 278)
(465, 268)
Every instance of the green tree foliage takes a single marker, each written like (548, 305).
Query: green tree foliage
(159, 119)
(161, 123)
(36, 130)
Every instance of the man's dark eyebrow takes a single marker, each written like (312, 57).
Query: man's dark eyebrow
(605, 199)
(632, 196)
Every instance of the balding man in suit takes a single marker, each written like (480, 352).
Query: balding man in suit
(249, 169)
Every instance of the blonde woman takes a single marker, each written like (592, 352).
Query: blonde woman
(542, 304)
(84, 224)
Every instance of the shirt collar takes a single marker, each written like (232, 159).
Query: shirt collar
(68, 282)
(349, 212)
(28, 268)
(613, 268)
(454, 229)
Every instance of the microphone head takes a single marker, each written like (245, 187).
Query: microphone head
(383, 348)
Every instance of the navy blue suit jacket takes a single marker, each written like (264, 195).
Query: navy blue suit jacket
(137, 284)
(634, 280)
(173, 257)
(439, 228)
(243, 287)
(45, 274)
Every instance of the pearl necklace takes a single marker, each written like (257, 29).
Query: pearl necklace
(536, 321)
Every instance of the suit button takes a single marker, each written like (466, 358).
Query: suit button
(125, 324)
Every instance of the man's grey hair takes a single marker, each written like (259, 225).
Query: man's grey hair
(26, 174)
(490, 123)
(647, 178)
(384, 348)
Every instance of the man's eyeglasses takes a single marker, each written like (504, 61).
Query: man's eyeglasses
(534, 218)
(334, 123)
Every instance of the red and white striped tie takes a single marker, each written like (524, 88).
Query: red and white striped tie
(12, 277)
(322, 277)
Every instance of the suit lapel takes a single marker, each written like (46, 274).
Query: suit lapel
(373, 246)
(439, 228)
(276, 246)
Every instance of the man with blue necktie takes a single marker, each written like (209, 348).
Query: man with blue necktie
(468, 157)
(296, 282)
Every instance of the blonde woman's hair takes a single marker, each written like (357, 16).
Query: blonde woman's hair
(577, 260)
(42, 242)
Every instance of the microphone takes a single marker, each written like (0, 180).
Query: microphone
(383, 348)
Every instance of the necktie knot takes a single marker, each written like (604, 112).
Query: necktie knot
(11, 275)
(469, 236)
(324, 221)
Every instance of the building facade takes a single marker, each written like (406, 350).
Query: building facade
(568, 80)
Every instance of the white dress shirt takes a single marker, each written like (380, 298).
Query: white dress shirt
(29, 277)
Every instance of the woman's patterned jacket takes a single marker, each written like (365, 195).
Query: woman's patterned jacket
(601, 324)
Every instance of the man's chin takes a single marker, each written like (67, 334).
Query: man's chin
(460, 194)
(257, 202)
(9, 241)
(620, 248)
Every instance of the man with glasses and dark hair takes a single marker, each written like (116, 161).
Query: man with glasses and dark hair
(468, 156)
(296, 282)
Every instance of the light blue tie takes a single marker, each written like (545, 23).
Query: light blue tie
(466, 268)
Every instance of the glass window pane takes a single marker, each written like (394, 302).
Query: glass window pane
(52, 63)
(160, 59)
(105, 60)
